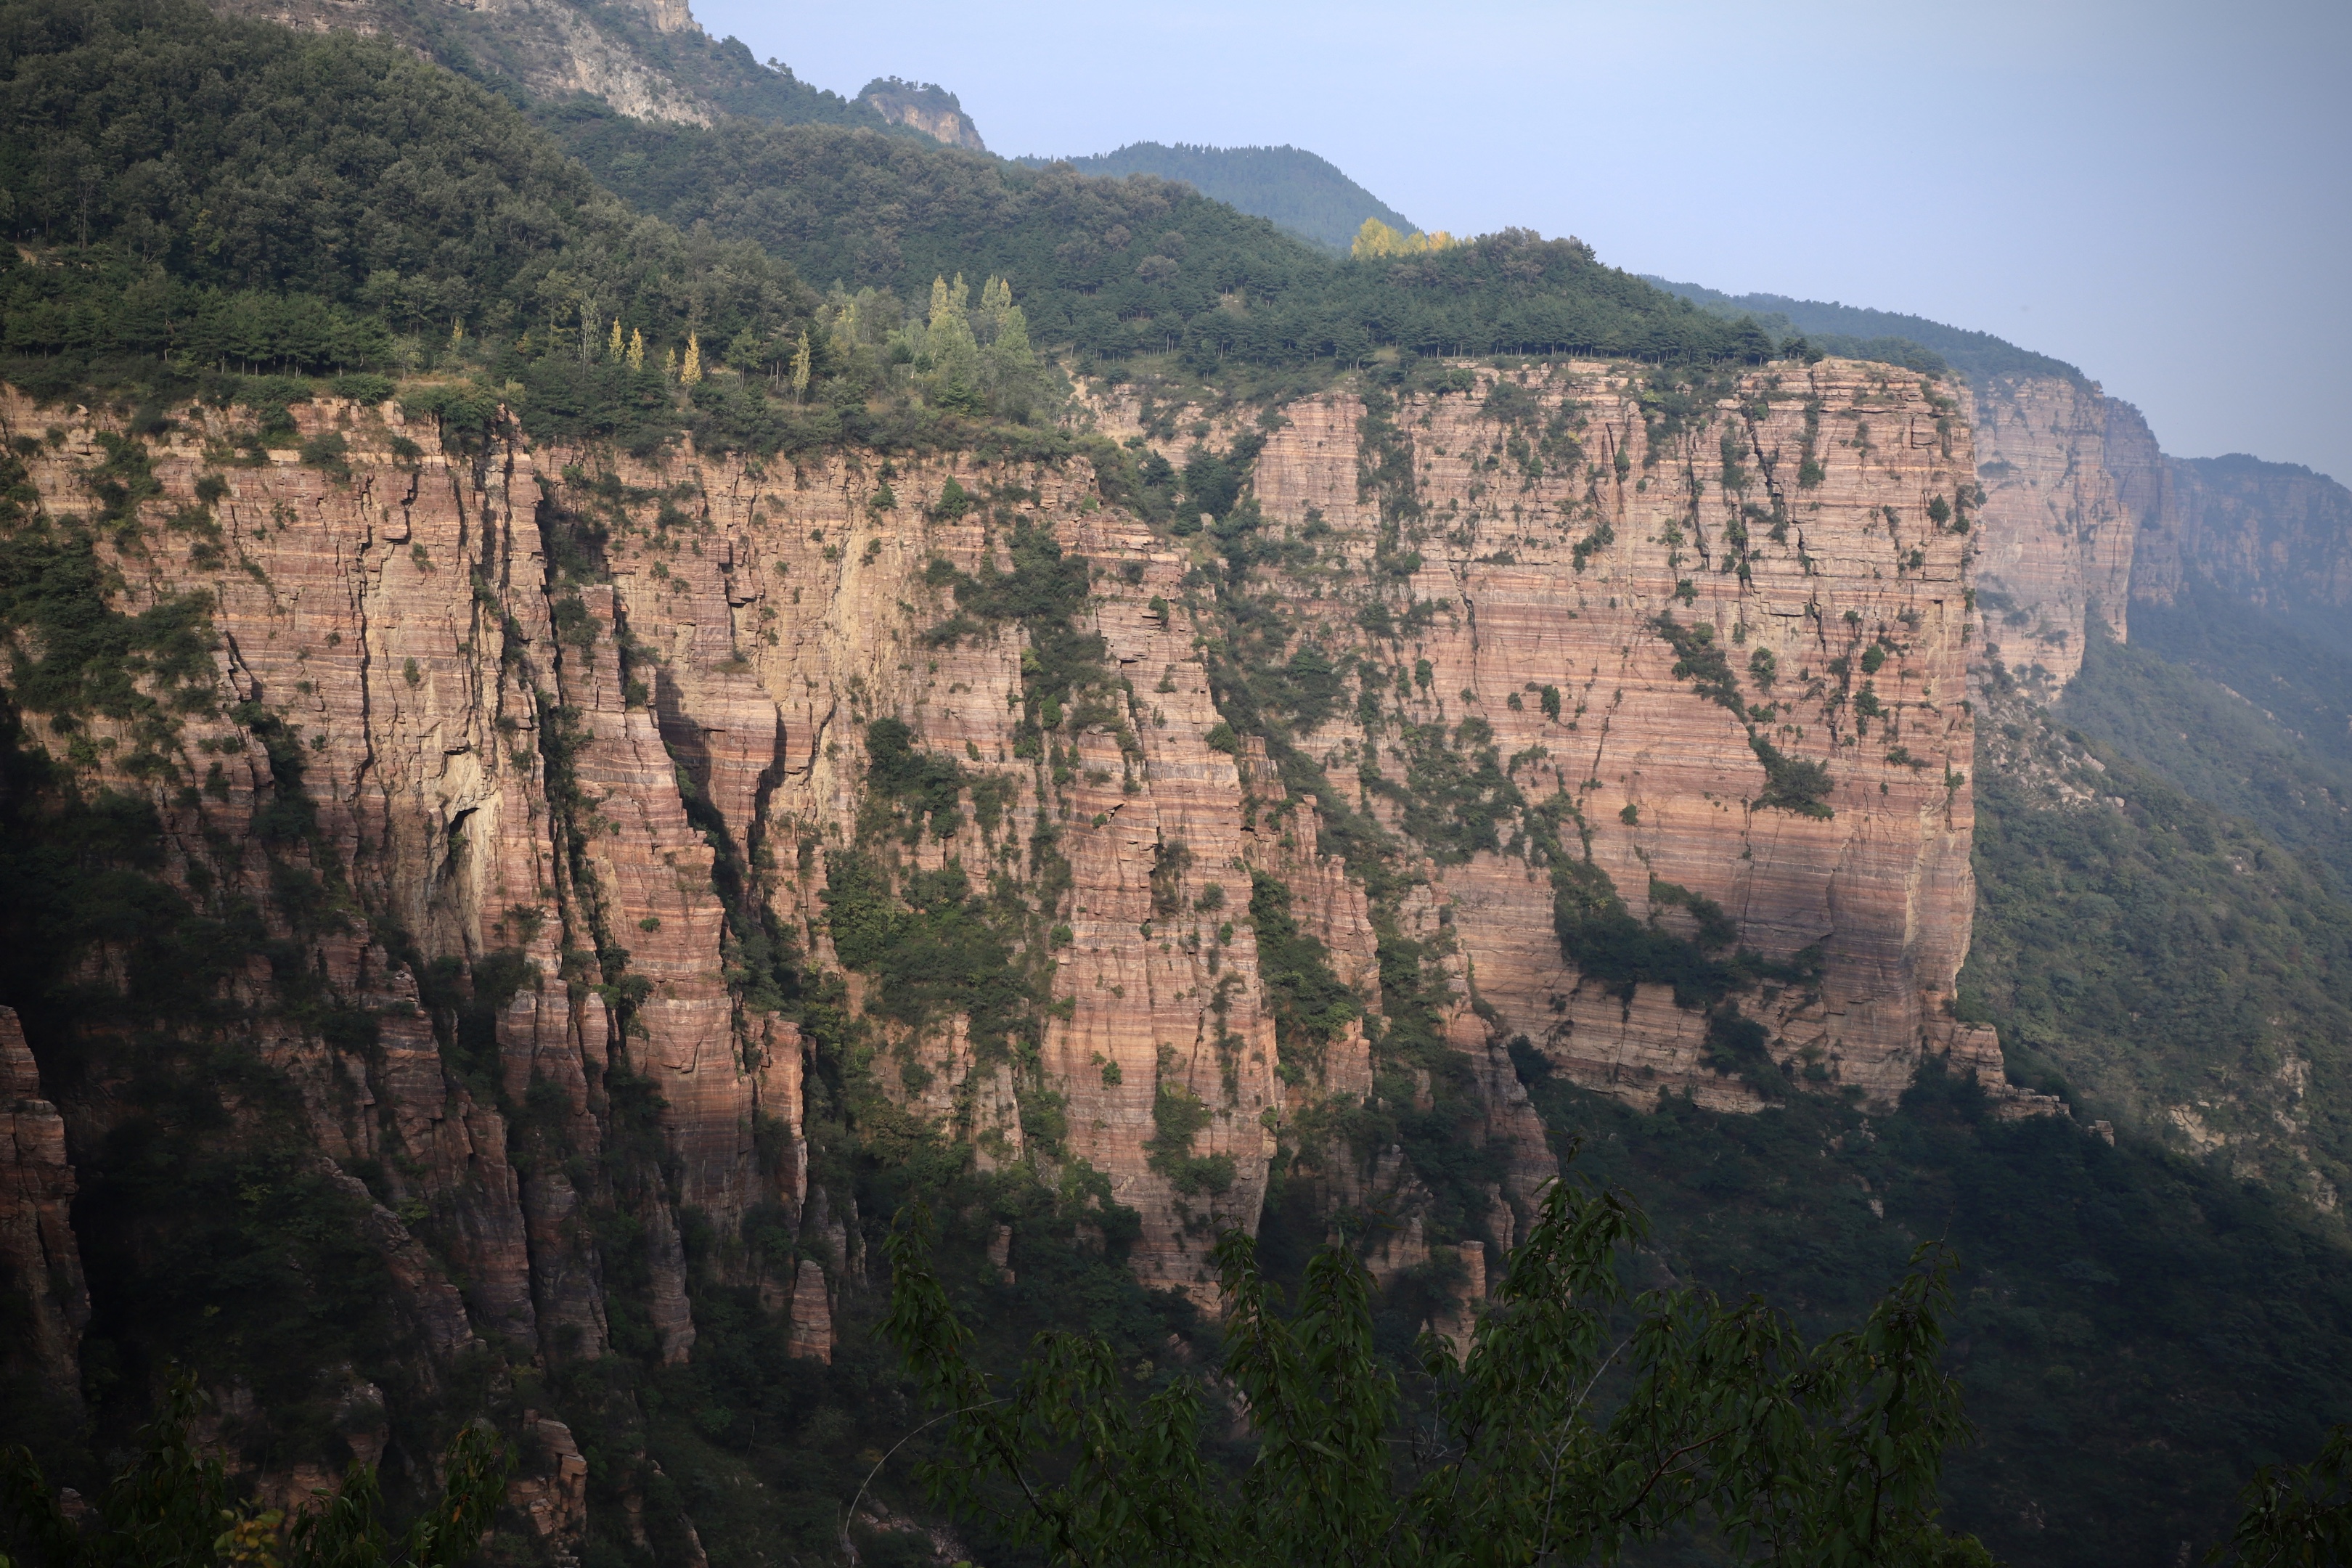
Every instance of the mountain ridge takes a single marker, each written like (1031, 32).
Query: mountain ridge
(1976, 355)
(1299, 191)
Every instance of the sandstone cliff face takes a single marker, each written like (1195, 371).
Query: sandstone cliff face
(1791, 518)
(2069, 475)
(553, 51)
(2274, 535)
(928, 110)
(588, 750)
(40, 1265)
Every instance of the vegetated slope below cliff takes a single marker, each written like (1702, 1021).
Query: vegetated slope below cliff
(2185, 974)
(2133, 1330)
(2233, 708)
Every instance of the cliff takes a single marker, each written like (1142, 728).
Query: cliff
(2069, 476)
(650, 60)
(2084, 516)
(609, 823)
(1674, 626)
(925, 106)
(2274, 536)
(41, 1263)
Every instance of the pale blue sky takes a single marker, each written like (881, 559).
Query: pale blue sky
(2159, 191)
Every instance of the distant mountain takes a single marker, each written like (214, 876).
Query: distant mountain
(1851, 329)
(1299, 193)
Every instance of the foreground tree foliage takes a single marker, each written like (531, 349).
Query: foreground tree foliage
(2297, 1516)
(176, 1507)
(1577, 1422)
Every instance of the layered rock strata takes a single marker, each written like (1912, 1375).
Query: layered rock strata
(1540, 542)
(581, 736)
(2069, 476)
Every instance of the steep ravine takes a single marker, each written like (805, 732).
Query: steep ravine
(601, 827)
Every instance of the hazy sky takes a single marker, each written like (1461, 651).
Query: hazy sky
(2160, 192)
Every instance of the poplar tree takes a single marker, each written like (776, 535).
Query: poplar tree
(691, 371)
(636, 347)
(950, 356)
(801, 367)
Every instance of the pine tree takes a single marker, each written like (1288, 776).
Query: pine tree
(636, 348)
(691, 372)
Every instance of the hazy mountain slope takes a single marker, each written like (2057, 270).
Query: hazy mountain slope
(2234, 709)
(1294, 189)
(2273, 537)
(1848, 328)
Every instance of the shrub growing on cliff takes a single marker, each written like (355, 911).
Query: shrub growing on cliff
(1717, 1413)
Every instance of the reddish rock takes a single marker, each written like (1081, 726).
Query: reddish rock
(495, 786)
(41, 1263)
(2056, 532)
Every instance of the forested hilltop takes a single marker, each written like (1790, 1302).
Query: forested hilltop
(233, 197)
(595, 705)
(1299, 193)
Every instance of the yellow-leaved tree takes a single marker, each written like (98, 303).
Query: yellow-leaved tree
(1377, 239)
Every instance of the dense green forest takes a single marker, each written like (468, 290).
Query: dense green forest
(231, 196)
(1297, 192)
(2134, 1331)
(1113, 269)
